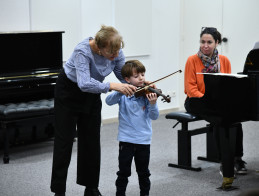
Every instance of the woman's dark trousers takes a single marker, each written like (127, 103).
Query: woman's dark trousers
(76, 112)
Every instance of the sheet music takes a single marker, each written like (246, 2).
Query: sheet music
(227, 74)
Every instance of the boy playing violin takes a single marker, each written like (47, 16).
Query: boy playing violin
(135, 129)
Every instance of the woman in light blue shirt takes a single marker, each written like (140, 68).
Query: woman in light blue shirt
(78, 107)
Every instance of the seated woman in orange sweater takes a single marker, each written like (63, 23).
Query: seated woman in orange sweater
(207, 60)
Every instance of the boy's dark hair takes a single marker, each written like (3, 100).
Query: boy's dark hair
(127, 69)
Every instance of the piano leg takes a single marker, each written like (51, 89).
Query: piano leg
(6, 145)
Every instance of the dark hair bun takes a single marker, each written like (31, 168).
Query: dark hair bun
(212, 31)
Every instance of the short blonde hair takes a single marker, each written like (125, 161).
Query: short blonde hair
(130, 66)
(109, 36)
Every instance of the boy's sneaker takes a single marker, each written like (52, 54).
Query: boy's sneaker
(240, 167)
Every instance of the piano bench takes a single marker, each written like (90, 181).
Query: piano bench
(29, 113)
(184, 140)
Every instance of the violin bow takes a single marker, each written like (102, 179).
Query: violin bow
(159, 80)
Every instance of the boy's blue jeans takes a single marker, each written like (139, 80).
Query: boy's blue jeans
(141, 154)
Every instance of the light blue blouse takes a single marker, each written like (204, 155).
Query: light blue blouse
(89, 70)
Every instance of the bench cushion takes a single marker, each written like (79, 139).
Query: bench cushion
(12, 111)
(182, 116)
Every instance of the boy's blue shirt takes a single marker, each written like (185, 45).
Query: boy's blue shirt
(135, 117)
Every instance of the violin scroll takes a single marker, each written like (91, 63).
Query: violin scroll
(166, 98)
(147, 89)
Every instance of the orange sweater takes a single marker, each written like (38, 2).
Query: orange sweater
(193, 83)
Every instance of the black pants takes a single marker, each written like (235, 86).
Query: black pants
(81, 112)
(141, 154)
(228, 138)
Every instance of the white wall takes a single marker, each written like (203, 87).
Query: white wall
(58, 15)
(164, 57)
(81, 18)
(14, 15)
(235, 19)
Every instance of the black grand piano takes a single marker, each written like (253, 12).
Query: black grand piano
(30, 64)
(228, 100)
(234, 97)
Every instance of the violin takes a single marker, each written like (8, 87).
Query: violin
(142, 91)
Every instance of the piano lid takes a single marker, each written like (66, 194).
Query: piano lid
(252, 60)
(30, 52)
(228, 98)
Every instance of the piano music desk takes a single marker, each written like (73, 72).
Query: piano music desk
(32, 113)
(184, 141)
